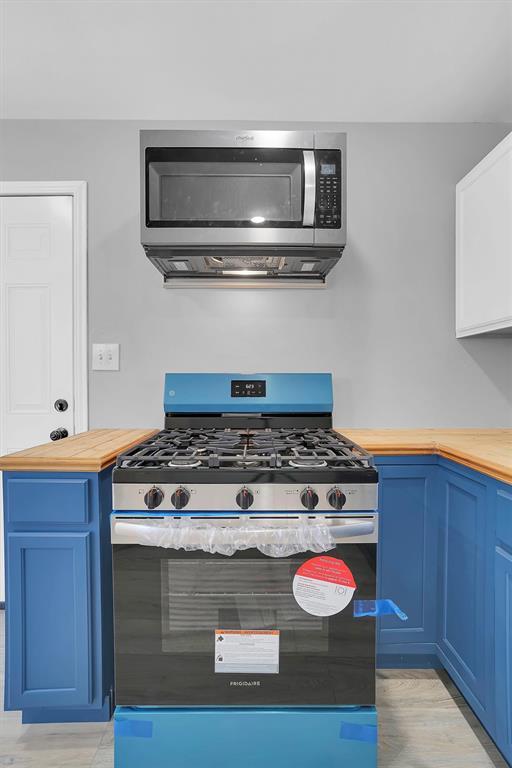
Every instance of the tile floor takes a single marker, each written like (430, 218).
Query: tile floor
(423, 723)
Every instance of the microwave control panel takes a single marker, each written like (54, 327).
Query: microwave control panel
(328, 188)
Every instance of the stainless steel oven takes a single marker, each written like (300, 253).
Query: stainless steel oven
(237, 205)
(195, 627)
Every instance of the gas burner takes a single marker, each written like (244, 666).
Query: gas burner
(189, 462)
(309, 463)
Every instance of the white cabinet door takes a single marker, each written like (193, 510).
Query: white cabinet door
(484, 245)
(36, 318)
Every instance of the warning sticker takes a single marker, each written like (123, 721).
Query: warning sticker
(247, 650)
(323, 586)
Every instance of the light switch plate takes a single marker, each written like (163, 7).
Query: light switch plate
(105, 357)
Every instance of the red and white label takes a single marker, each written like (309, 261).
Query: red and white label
(323, 586)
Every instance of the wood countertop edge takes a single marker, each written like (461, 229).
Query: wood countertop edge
(76, 463)
(484, 466)
(432, 447)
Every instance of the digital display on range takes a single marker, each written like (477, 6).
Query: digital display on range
(245, 388)
(328, 169)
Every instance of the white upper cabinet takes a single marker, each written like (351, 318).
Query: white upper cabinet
(484, 245)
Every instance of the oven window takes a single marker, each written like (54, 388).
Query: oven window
(223, 187)
(200, 596)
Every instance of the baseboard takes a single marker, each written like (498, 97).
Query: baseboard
(408, 656)
(69, 714)
(408, 661)
(472, 700)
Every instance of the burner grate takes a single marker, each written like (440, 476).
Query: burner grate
(300, 449)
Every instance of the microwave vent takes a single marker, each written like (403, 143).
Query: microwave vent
(227, 262)
(186, 267)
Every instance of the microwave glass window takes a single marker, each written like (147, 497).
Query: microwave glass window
(201, 596)
(230, 187)
(207, 192)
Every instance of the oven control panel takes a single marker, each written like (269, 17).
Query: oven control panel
(265, 497)
(246, 388)
(328, 188)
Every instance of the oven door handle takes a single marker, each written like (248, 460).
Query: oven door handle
(308, 216)
(151, 535)
(351, 530)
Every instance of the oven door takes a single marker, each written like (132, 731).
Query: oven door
(194, 628)
(207, 190)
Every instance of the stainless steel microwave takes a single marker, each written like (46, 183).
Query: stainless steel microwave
(243, 207)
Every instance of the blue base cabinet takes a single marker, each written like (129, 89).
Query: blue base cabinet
(464, 604)
(446, 559)
(407, 562)
(344, 737)
(503, 620)
(59, 665)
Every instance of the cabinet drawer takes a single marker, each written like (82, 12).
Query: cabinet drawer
(47, 500)
(504, 517)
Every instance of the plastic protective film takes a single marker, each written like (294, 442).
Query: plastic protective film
(194, 535)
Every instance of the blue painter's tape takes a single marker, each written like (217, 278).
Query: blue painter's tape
(378, 608)
(358, 732)
(142, 729)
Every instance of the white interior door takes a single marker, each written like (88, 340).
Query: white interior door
(36, 319)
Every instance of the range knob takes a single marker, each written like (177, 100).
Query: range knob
(244, 498)
(336, 498)
(309, 498)
(180, 498)
(153, 498)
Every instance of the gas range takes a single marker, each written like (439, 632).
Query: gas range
(244, 546)
(258, 443)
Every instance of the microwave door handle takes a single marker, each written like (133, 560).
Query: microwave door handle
(308, 217)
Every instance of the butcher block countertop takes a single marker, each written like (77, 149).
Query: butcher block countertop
(86, 452)
(484, 450)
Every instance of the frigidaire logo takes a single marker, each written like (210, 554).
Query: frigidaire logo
(244, 137)
(250, 683)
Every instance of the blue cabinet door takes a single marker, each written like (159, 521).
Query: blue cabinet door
(503, 624)
(407, 558)
(465, 610)
(48, 620)
(503, 619)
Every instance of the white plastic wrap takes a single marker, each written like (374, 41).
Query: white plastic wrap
(226, 540)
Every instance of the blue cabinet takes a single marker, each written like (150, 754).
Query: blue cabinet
(49, 575)
(407, 561)
(503, 620)
(59, 657)
(446, 558)
(465, 604)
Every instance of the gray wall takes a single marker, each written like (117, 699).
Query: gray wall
(384, 326)
(391, 61)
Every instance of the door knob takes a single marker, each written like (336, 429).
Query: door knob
(59, 433)
(60, 404)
